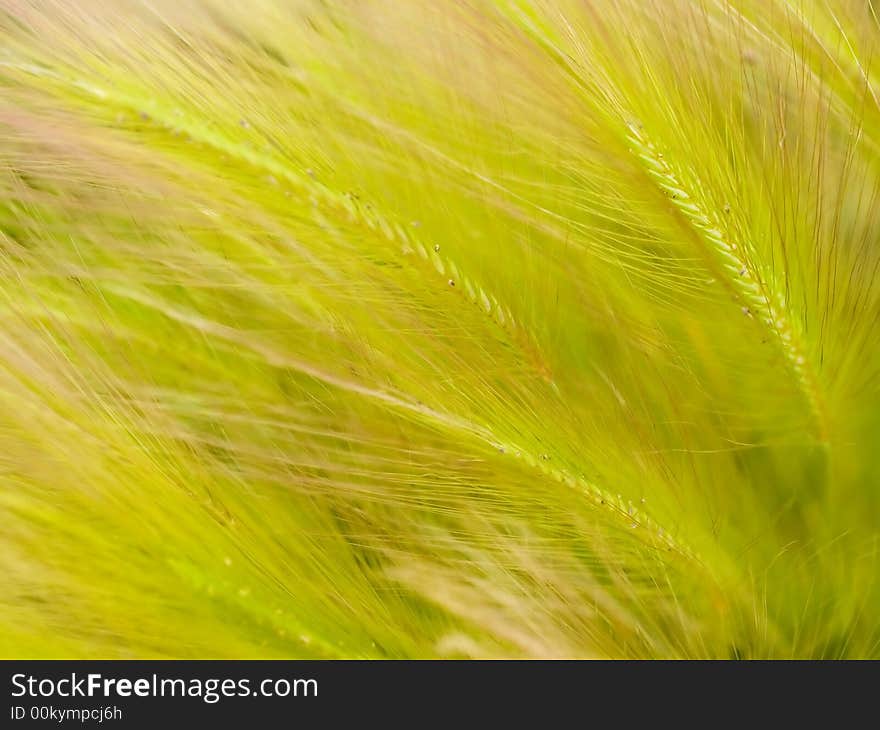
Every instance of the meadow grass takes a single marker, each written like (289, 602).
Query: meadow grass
(487, 328)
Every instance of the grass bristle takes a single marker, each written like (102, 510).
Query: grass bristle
(516, 328)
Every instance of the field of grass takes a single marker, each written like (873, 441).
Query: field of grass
(439, 328)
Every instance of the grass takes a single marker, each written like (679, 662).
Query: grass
(407, 329)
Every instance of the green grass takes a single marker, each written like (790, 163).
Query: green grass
(407, 329)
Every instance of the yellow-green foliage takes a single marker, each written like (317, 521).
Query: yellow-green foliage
(409, 328)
